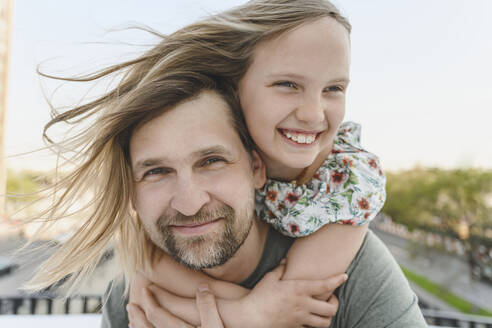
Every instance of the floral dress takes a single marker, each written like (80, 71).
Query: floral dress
(349, 188)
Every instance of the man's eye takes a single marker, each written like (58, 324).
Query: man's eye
(212, 161)
(287, 84)
(155, 173)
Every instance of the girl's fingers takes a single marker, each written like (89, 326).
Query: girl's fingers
(278, 272)
(136, 317)
(207, 307)
(324, 314)
(323, 308)
(158, 316)
(320, 287)
(317, 321)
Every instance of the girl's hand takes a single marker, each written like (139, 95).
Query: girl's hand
(156, 316)
(291, 303)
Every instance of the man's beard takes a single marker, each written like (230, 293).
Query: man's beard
(208, 250)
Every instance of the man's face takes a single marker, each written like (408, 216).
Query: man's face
(194, 182)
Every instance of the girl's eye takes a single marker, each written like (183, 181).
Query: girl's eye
(335, 88)
(287, 84)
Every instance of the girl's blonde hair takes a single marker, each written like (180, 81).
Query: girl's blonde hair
(211, 54)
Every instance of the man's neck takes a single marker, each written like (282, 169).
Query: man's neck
(246, 259)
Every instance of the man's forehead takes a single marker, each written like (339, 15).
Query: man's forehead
(192, 129)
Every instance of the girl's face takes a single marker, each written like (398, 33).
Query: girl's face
(293, 95)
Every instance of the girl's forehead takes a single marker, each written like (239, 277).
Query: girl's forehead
(325, 32)
(321, 45)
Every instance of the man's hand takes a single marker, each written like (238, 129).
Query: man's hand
(156, 316)
(209, 315)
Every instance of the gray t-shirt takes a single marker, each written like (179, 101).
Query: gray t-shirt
(376, 294)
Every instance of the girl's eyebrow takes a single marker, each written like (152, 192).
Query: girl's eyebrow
(300, 77)
(286, 75)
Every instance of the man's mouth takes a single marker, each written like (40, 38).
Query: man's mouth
(300, 137)
(195, 228)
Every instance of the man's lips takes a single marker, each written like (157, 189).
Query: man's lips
(195, 228)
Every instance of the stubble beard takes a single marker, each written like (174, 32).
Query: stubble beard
(209, 250)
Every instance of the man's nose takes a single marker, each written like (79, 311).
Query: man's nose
(311, 109)
(189, 197)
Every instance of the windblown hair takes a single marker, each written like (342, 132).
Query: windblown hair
(212, 54)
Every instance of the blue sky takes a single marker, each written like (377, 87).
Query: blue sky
(421, 70)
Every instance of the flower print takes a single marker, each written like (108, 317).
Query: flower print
(270, 214)
(348, 162)
(292, 198)
(366, 215)
(294, 228)
(380, 172)
(363, 204)
(271, 195)
(350, 222)
(281, 206)
(336, 151)
(316, 176)
(373, 163)
(337, 177)
(328, 188)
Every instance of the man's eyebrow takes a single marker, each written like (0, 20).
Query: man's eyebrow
(142, 164)
(214, 150)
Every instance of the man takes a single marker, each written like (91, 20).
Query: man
(193, 194)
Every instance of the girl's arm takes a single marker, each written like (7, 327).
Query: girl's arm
(272, 303)
(325, 253)
(179, 280)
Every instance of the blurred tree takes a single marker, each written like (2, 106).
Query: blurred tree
(447, 202)
(22, 186)
(444, 199)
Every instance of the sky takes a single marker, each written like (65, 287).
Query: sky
(421, 71)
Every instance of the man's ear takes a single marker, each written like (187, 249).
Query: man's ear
(259, 170)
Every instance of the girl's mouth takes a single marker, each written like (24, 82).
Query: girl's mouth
(300, 138)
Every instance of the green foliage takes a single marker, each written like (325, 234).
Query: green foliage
(22, 186)
(434, 198)
(444, 294)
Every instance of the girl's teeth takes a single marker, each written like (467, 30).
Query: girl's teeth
(301, 138)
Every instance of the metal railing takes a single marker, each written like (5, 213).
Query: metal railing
(50, 305)
(455, 319)
(92, 304)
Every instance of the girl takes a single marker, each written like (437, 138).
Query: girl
(292, 93)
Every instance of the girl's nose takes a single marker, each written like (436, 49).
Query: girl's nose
(311, 110)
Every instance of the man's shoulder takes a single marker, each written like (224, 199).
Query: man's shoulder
(113, 312)
(377, 294)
